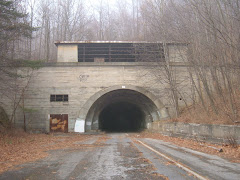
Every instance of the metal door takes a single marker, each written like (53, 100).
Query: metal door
(59, 123)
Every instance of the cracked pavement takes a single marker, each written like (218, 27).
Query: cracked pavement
(118, 156)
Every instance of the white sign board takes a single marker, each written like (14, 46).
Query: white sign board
(79, 126)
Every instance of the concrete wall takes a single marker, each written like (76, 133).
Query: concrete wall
(67, 53)
(81, 81)
(206, 132)
(177, 52)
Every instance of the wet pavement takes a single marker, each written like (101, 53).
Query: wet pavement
(118, 156)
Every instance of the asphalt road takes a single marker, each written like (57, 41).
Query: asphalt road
(122, 157)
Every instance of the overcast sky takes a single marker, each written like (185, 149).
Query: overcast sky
(94, 5)
(97, 3)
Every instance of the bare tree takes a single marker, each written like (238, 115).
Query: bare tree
(210, 29)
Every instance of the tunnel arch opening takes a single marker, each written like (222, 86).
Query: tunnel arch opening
(121, 117)
(118, 109)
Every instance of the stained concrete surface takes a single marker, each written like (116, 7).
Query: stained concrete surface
(121, 157)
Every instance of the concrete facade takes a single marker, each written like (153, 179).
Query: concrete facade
(67, 53)
(85, 83)
(93, 86)
(177, 53)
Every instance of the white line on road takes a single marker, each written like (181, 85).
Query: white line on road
(176, 163)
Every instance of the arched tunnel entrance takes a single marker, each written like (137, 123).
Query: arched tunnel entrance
(122, 110)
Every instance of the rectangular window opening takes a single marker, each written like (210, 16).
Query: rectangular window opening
(52, 98)
(120, 52)
(65, 98)
(58, 98)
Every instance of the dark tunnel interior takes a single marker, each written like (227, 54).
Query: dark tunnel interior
(121, 117)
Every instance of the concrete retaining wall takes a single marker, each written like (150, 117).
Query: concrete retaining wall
(206, 132)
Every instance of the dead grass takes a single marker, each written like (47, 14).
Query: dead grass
(17, 147)
(233, 154)
(197, 114)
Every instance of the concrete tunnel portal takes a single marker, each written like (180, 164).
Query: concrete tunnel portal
(121, 110)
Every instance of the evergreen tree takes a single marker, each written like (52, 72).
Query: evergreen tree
(13, 26)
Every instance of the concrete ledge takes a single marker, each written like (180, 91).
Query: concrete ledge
(147, 64)
(203, 132)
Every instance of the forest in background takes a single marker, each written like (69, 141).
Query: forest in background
(28, 29)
